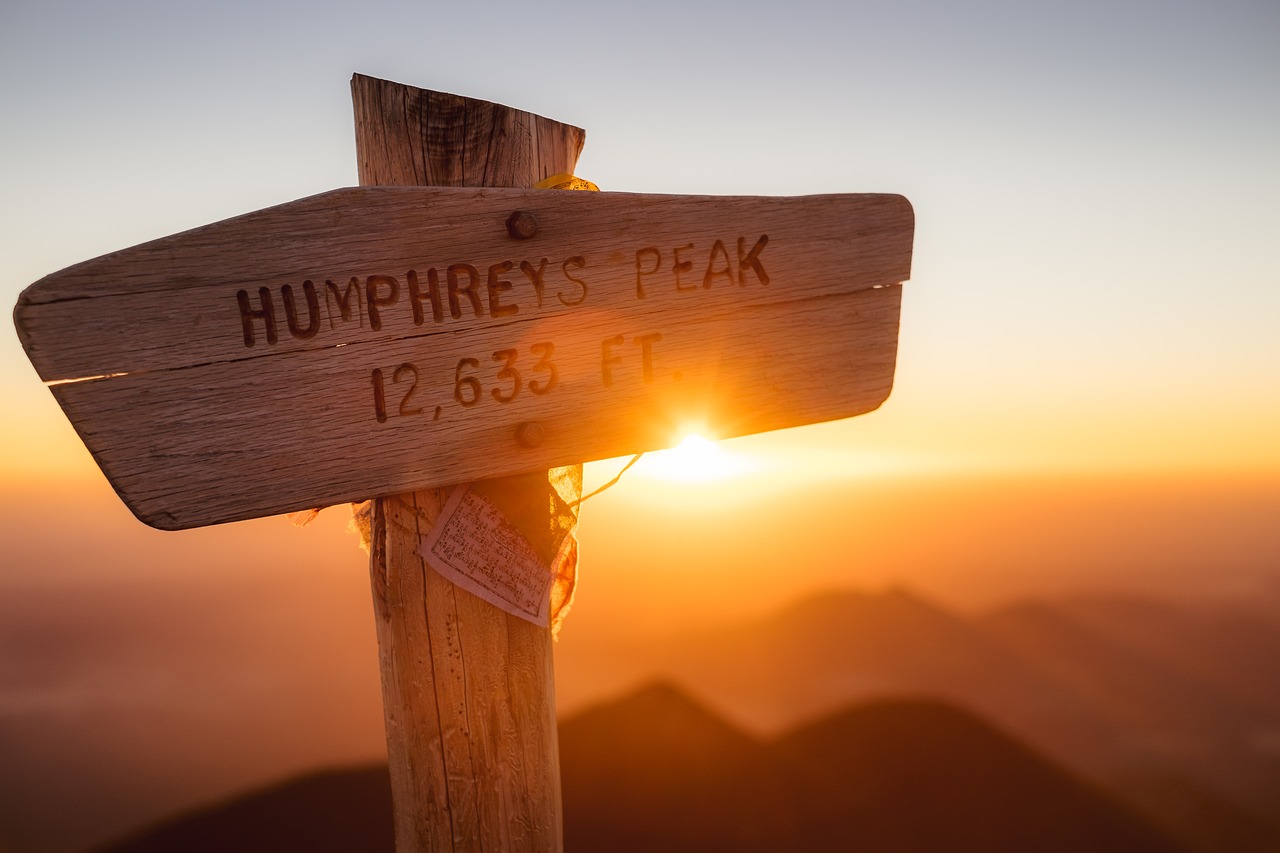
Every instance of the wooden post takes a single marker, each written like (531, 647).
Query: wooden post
(468, 690)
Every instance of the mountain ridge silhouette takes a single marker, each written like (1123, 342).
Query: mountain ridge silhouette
(1121, 690)
(656, 770)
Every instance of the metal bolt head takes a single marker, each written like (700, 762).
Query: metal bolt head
(530, 434)
(522, 225)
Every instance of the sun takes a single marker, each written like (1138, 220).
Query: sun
(696, 459)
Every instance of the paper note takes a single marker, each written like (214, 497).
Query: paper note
(473, 545)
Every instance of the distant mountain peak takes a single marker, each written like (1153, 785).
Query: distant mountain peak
(659, 695)
(661, 709)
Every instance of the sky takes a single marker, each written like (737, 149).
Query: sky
(1088, 380)
(1093, 281)
(1095, 291)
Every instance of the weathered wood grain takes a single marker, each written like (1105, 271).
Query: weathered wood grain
(177, 302)
(233, 369)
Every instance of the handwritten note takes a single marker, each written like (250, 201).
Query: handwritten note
(473, 545)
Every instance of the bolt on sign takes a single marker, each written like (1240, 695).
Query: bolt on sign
(379, 340)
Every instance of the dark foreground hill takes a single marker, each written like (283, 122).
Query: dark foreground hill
(335, 811)
(657, 772)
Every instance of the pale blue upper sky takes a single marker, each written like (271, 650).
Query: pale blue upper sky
(1095, 183)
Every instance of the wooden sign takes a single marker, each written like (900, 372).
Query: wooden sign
(379, 340)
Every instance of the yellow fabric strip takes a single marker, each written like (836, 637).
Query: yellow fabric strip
(566, 181)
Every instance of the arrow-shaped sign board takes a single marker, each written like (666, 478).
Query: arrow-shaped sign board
(380, 340)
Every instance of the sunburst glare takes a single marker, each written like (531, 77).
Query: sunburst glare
(696, 459)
